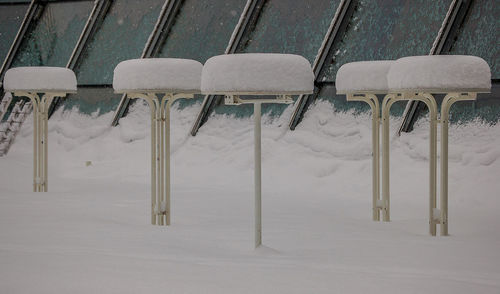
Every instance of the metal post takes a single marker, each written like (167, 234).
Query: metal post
(171, 100)
(257, 175)
(386, 105)
(35, 144)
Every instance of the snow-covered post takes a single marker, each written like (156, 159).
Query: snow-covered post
(30, 82)
(257, 74)
(147, 78)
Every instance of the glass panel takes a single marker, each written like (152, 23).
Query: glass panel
(388, 29)
(92, 100)
(52, 37)
(122, 36)
(202, 29)
(480, 34)
(11, 17)
(292, 26)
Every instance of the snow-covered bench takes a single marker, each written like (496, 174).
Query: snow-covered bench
(30, 82)
(361, 81)
(415, 78)
(259, 74)
(146, 78)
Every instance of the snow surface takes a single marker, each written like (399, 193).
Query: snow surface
(257, 73)
(91, 232)
(363, 76)
(440, 73)
(158, 75)
(42, 78)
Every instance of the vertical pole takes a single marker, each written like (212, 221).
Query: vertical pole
(385, 158)
(40, 147)
(257, 175)
(153, 161)
(45, 143)
(376, 155)
(433, 163)
(159, 173)
(444, 166)
(161, 130)
(167, 158)
(35, 145)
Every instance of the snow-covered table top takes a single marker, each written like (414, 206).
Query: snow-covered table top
(160, 75)
(440, 74)
(257, 74)
(363, 76)
(40, 79)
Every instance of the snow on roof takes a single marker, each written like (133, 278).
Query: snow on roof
(363, 76)
(158, 75)
(257, 73)
(40, 79)
(440, 73)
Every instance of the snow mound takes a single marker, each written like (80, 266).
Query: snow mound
(257, 73)
(40, 79)
(363, 76)
(440, 74)
(158, 75)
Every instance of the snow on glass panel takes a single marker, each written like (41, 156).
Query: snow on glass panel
(296, 27)
(11, 17)
(387, 29)
(202, 29)
(53, 35)
(480, 34)
(122, 35)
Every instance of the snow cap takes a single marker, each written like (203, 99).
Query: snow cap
(440, 74)
(40, 79)
(158, 75)
(257, 74)
(363, 76)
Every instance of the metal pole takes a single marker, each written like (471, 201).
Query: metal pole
(257, 175)
(35, 144)
(386, 105)
(167, 158)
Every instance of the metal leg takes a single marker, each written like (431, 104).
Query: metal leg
(257, 175)
(386, 105)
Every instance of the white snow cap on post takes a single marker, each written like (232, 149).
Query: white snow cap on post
(40, 79)
(440, 74)
(257, 73)
(363, 76)
(158, 75)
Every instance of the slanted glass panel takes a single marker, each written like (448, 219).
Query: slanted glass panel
(52, 37)
(202, 29)
(122, 35)
(480, 34)
(92, 100)
(11, 17)
(292, 26)
(387, 29)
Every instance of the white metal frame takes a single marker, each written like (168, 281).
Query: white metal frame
(160, 152)
(236, 100)
(40, 135)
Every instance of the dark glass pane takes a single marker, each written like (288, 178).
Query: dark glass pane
(52, 37)
(202, 29)
(122, 36)
(11, 17)
(388, 29)
(93, 100)
(480, 34)
(292, 26)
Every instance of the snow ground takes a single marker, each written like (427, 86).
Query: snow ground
(91, 232)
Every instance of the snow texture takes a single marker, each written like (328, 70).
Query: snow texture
(91, 234)
(258, 74)
(166, 75)
(363, 76)
(40, 79)
(440, 74)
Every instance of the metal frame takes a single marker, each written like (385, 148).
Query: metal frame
(236, 100)
(156, 39)
(444, 41)
(248, 19)
(40, 135)
(95, 19)
(160, 152)
(338, 25)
